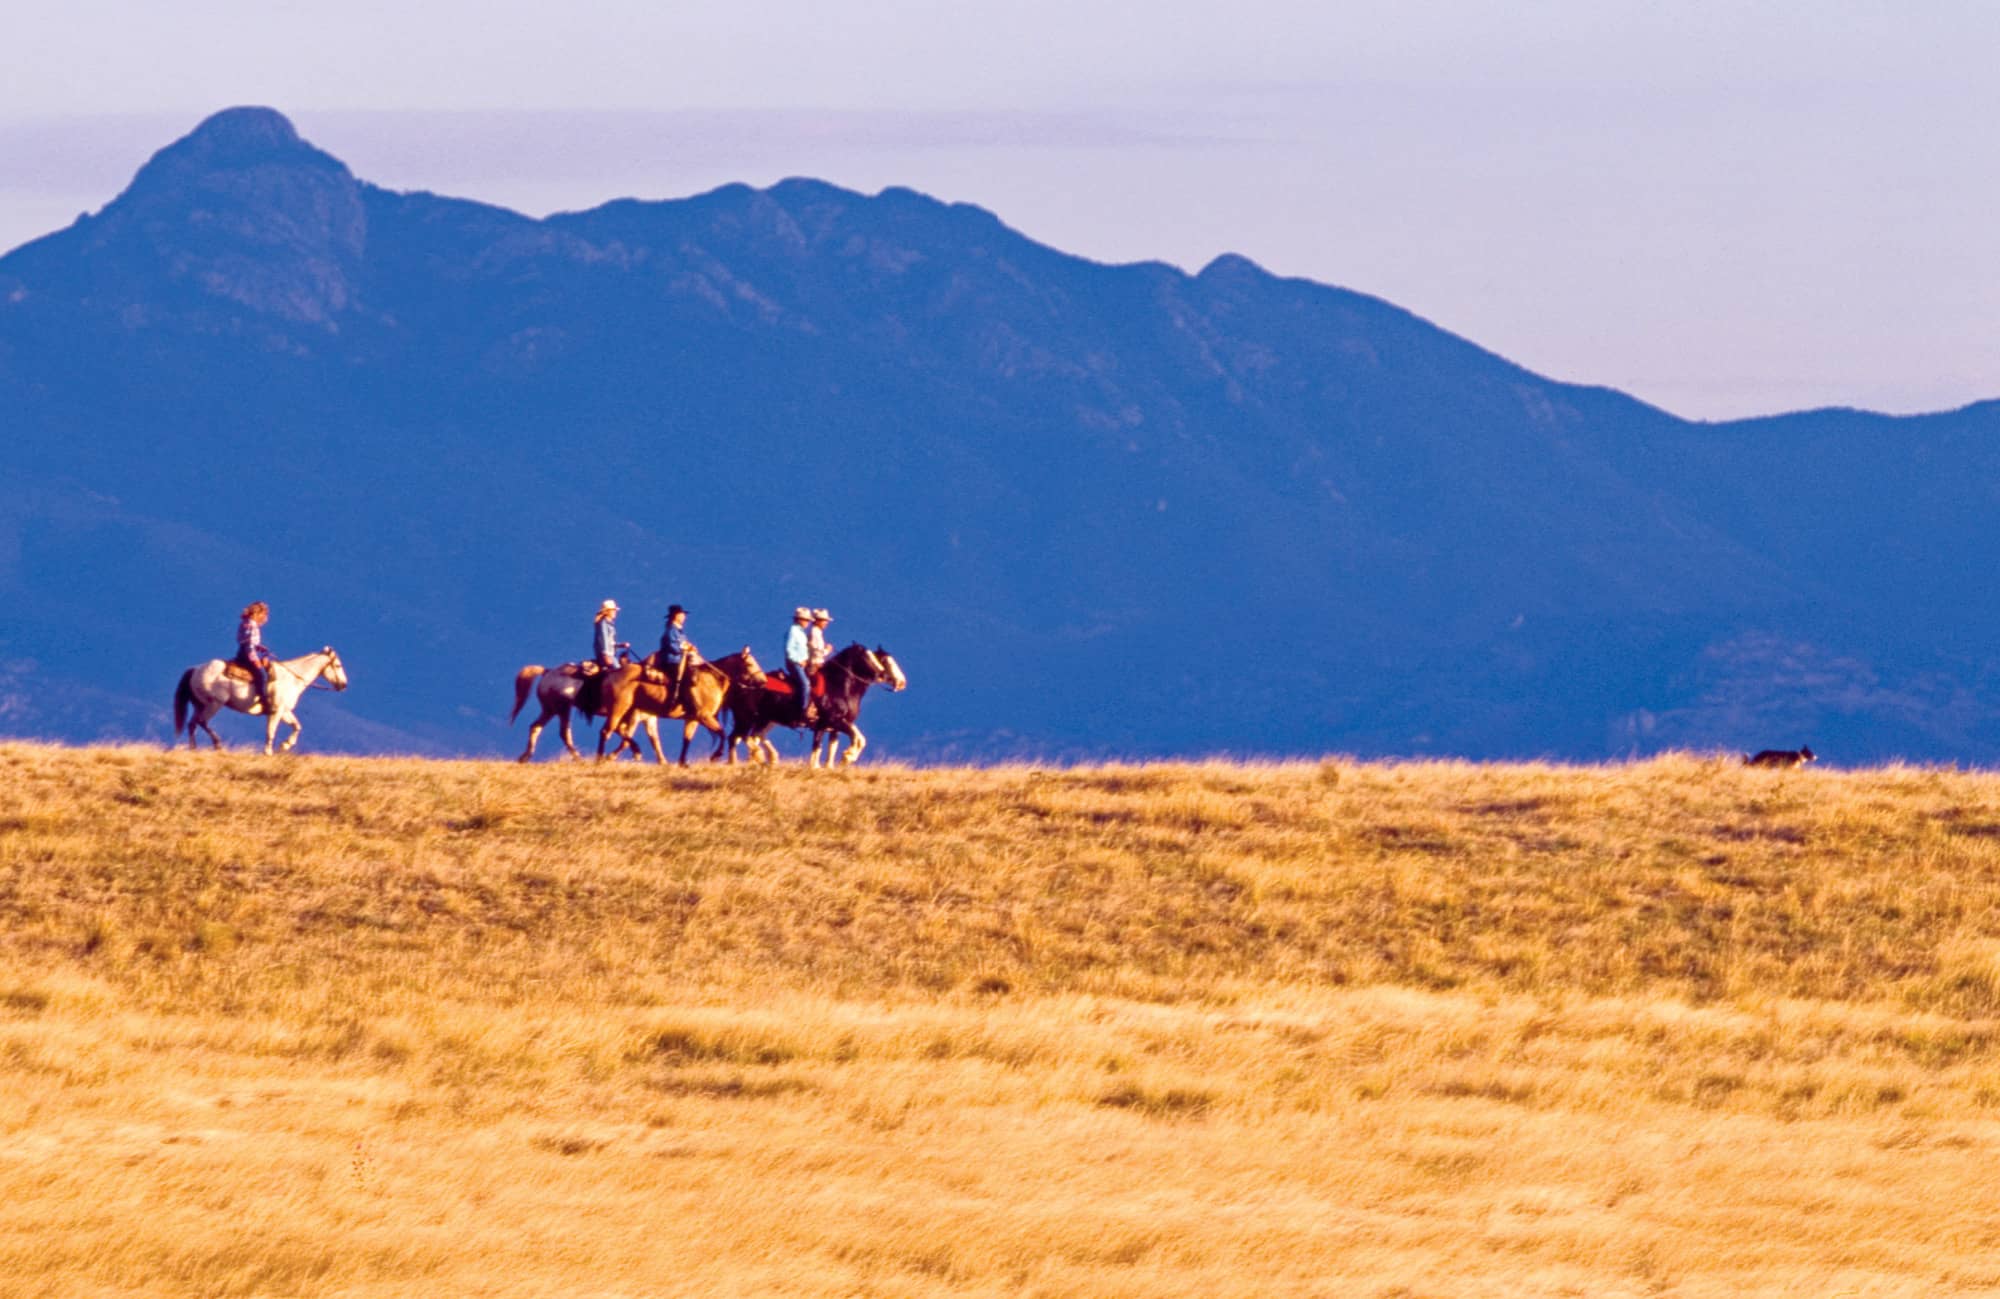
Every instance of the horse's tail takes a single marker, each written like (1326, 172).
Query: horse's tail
(524, 683)
(183, 701)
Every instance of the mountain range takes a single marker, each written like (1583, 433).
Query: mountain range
(1095, 510)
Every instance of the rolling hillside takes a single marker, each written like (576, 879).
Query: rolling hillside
(367, 1027)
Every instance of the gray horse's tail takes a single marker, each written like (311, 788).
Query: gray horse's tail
(183, 701)
(523, 684)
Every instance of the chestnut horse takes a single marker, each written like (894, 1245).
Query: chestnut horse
(630, 699)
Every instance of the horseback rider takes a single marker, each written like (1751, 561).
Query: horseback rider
(251, 654)
(816, 641)
(677, 652)
(798, 658)
(605, 645)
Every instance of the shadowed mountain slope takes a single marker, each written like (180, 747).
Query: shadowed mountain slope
(1093, 509)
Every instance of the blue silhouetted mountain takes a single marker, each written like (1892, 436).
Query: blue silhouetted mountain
(1093, 509)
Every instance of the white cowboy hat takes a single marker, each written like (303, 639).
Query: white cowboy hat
(609, 606)
(802, 612)
(821, 615)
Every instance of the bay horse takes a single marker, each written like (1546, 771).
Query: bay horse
(845, 678)
(629, 697)
(560, 692)
(207, 688)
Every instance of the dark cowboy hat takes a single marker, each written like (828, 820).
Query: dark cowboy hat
(673, 609)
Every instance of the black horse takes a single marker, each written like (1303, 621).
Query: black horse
(844, 678)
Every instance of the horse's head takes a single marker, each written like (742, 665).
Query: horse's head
(335, 671)
(752, 669)
(891, 672)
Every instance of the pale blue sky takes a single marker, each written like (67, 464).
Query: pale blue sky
(1723, 208)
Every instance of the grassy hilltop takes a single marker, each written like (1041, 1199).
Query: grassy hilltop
(378, 1028)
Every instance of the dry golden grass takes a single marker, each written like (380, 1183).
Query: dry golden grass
(362, 1027)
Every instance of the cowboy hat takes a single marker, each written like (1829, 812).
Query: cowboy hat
(802, 614)
(609, 606)
(821, 615)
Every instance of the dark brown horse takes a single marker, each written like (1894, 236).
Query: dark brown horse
(844, 678)
(631, 699)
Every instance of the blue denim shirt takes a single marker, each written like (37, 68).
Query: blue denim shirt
(606, 648)
(674, 645)
(798, 649)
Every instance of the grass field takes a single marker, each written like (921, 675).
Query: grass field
(321, 1027)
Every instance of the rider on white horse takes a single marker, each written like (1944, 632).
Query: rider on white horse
(250, 651)
(207, 688)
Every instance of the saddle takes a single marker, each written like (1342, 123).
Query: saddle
(778, 684)
(236, 671)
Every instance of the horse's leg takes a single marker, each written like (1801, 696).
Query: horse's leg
(569, 736)
(203, 716)
(535, 733)
(856, 742)
(293, 738)
(623, 730)
(270, 728)
(653, 735)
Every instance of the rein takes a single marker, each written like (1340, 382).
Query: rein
(851, 673)
(314, 682)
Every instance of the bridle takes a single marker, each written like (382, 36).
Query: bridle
(874, 678)
(317, 680)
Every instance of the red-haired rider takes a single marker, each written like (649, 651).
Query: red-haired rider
(250, 651)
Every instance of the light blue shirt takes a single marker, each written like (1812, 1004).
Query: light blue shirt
(797, 648)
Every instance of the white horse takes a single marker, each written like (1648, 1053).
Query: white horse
(207, 689)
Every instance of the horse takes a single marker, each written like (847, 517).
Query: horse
(629, 697)
(207, 688)
(560, 692)
(846, 677)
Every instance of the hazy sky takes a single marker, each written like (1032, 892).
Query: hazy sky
(1724, 208)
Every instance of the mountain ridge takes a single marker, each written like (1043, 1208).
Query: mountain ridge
(1008, 461)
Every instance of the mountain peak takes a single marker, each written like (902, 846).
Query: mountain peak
(1233, 266)
(231, 140)
(244, 130)
(246, 212)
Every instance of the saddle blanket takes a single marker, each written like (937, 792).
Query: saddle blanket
(778, 685)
